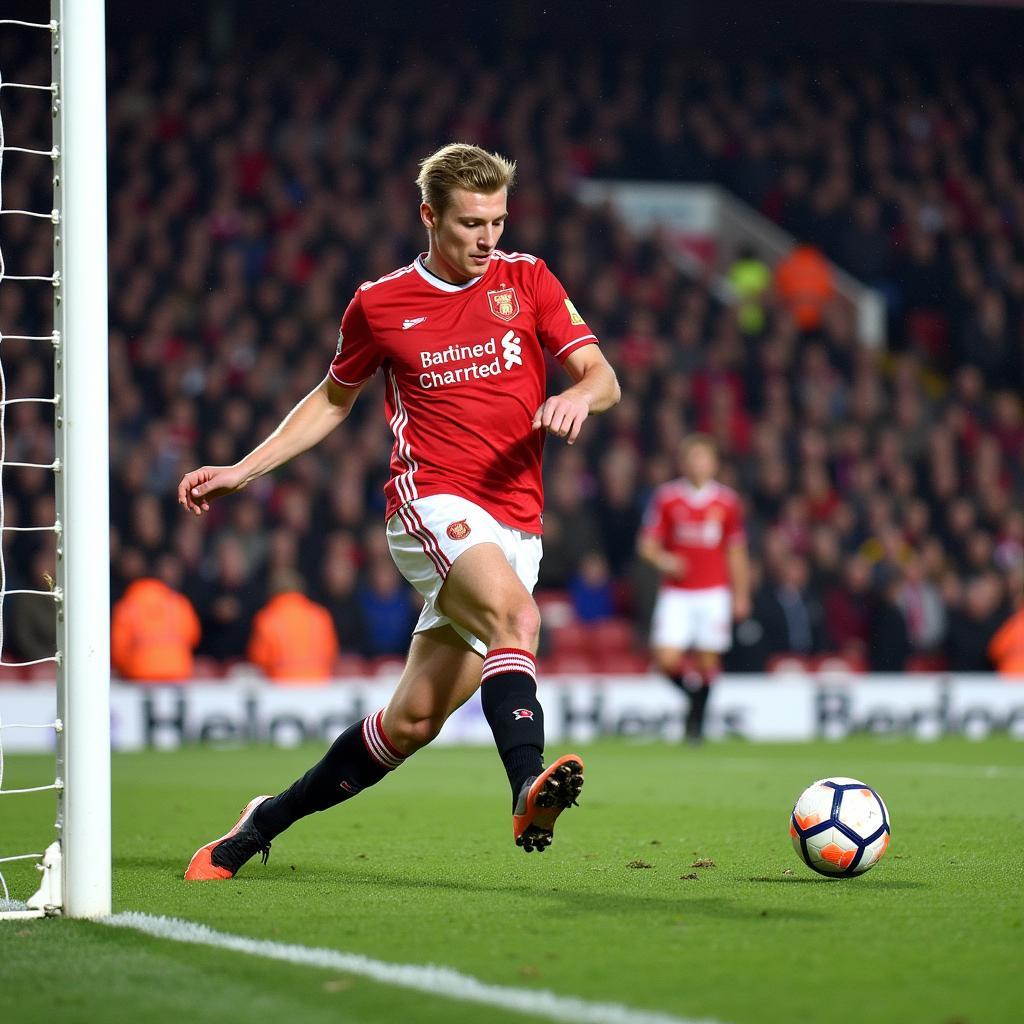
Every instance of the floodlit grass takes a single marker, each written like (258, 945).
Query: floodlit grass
(423, 870)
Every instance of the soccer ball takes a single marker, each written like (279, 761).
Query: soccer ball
(840, 827)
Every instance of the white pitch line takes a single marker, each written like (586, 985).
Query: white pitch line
(436, 981)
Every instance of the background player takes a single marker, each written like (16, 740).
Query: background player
(460, 335)
(693, 534)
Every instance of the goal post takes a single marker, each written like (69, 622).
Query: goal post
(82, 447)
(76, 867)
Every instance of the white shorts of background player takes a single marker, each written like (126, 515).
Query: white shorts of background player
(693, 620)
(425, 537)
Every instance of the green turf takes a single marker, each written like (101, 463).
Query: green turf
(422, 870)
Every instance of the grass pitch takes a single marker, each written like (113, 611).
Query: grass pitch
(423, 870)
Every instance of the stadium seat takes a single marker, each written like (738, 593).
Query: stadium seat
(207, 668)
(387, 665)
(623, 598)
(571, 662)
(926, 663)
(571, 639)
(789, 664)
(347, 666)
(625, 662)
(844, 663)
(613, 636)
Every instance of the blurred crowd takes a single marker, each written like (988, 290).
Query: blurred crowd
(883, 489)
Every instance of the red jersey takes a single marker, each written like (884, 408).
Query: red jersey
(697, 525)
(465, 373)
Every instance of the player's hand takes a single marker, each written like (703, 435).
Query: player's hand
(741, 607)
(562, 415)
(675, 566)
(198, 488)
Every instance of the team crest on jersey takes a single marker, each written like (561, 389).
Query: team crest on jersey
(504, 303)
(522, 713)
(459, 530)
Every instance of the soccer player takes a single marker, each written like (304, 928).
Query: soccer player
(693, 535)
(460, 335)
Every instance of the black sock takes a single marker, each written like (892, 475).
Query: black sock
(359, 758)
(698, 706)
(676, 679)
(508, 695)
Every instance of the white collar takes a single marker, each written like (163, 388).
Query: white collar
(439, 283)
(699, 496)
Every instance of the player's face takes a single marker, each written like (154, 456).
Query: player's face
(464, 236)
(700, 464)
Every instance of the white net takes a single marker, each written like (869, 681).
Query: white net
(43, 589)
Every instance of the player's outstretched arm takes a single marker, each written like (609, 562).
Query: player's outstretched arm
(739, 578)
(305, 426)
(596, 389)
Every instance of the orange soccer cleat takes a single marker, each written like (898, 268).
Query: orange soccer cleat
(542, 799)
(225, 856)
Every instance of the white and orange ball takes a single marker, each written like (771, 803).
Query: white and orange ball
(840, 827)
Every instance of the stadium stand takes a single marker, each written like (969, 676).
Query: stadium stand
(883, 489)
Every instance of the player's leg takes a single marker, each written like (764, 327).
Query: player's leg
(441, 673)
(713, 635)
(476, 574)
(673, 629)
(698, 686)
(671, 662)
(672, 633)
(688, 673)
(483, 594)
(487, 593)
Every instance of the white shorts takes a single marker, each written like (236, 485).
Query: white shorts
(698, 620)
(427, 535)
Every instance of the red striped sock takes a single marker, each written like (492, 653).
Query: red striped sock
(509, 659)
(359, 758)
(508, 695)
(378, 746)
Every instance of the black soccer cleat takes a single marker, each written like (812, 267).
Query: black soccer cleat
(542, 799)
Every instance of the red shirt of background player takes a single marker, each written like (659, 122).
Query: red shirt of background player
(698, 526)
(465, 372)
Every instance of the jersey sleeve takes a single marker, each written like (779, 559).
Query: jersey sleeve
(357, 357)
(559, 326)
(655, 522)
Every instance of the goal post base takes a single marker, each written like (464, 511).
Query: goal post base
(46, 901)
(47, 898)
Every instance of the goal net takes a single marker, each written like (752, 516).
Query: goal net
(68, 575)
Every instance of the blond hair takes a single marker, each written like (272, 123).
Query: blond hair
(459, 165)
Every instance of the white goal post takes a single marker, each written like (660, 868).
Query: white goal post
(76, 868)
(83, 562)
